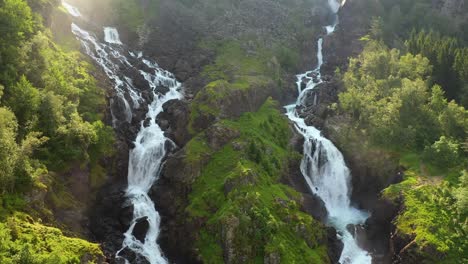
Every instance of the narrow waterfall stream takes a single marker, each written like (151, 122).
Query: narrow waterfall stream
(323, 165)
(146, 158)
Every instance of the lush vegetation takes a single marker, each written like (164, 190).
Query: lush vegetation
(449, 58)
(26, 241)
(390, 97)
(244, 209)
(50, 119)
(396, 102)
(435, 212)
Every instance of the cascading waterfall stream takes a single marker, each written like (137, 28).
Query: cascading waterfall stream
(323, 165)
(146, 158)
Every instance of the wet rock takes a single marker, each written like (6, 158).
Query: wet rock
(147, 96)
(174, 121)
(126, 215)
(161, 89)
(379, 229)
(310, 203)
(360, 235)
(141, 229)
(147, 122)
(313, 205)
(108, 220)
(335, 246)
(130, 256)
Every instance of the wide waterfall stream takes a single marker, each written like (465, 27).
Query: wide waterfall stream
(323, 165)
(150, 146)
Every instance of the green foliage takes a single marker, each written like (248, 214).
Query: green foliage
(449, 59)
(400, 17)
(432, 218)
(388, 95)
(8, 149)
(461, 194)
(392, 102)
(24, 100)
(16, 25)
(27, 241)
(238, 194)
(50, 117)
(55, 96)
(443, 153)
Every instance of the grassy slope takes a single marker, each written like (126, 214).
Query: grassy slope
(239, 199)
(232, 71)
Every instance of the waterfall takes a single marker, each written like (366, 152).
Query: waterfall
(111, 35)
(323, 165)
(146, 158)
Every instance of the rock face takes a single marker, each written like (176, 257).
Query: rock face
(335, 245)
(310, 203)
(173, 120)
(171, 192)
(110, 218)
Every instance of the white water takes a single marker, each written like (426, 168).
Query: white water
(146, 158)
(324, 168)
(111, 35)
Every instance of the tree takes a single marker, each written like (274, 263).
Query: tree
(444, 153)
(461, 194)
(51, 113)
(8, 150)
(16, 25)
(24, 100)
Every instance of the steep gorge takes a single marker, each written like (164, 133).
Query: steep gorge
(231, 171)
(182, 170)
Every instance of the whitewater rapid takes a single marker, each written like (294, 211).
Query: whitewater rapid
(146, 158)
(323, 165)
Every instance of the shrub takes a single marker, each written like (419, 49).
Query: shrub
(443, 153)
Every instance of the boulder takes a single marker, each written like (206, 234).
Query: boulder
(141, 228)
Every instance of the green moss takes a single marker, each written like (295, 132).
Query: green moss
(27, 241)
(234, 61)
(239, 199)
(241, 68)
(196, 149)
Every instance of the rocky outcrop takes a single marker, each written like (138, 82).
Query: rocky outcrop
(110, 218)
(173, 120)
(171, 193)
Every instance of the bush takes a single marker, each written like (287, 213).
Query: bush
(443, 153)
